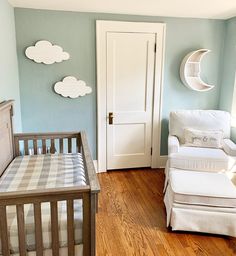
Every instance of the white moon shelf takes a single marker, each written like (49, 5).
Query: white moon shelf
(190, 70)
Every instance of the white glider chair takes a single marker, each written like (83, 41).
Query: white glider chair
(199, 195)
(199, 140)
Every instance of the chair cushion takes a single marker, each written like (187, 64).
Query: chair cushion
(204, 120)
(173, 144)
(202, 188)
(201, 159)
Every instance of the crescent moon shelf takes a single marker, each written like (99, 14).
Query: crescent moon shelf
(190, 70)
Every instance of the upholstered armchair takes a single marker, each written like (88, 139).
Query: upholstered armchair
(218, 155)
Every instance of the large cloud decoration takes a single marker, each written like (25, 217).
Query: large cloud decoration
(45, 52)
(71, 87)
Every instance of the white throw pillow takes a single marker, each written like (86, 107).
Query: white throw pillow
(207, 139)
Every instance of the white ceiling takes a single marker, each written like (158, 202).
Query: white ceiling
(213, 9)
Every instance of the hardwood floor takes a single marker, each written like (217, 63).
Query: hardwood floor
(132, 220)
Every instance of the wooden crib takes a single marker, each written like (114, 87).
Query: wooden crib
(14, 145)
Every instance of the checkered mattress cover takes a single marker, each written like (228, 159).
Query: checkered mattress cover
(43, 172)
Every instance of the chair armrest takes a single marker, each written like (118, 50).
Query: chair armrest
(229, 147)
(173, 144)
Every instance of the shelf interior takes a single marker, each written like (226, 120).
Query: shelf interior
(196, 57)
(197, 84)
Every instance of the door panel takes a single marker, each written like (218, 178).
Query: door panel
(130, 72)
(125, 139)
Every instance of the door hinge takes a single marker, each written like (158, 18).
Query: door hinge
(151, 151)
(155, 47)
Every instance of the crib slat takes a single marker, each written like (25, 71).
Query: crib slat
(61, 145)
(54, 228)
(35, 147)
(52, 149)
(38, 229)
(21, 229)
(4, 231)
(44, 146)
(86, 224)
(80, 143)
(69, 145)
(17, 147)
(78, 139)
(93, 210)
(26, 147)
(70, 228)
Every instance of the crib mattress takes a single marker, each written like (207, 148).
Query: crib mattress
(43, 172)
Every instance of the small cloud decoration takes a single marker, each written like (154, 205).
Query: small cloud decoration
(47, 53)
(72, 88)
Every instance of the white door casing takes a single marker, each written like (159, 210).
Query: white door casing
(130, 69)
(108, 35)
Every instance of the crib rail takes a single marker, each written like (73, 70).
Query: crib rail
(43, 143)
(58, 142)
(53, 196)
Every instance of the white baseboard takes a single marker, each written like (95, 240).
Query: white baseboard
(95, 162)
(162, 161)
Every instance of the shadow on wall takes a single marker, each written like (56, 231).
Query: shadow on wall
(164, 136)
(233, 134)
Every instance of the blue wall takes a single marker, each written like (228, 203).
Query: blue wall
(229, 69)
(229, 65)
(9, 80)
(43, 110)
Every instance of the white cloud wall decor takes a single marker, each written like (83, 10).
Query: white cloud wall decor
(72, 88)
(47, 53)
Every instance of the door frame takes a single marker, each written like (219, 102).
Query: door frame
(102, 27)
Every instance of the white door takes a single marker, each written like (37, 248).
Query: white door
(130, 79)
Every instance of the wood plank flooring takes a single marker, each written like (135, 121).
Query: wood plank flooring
(132, 220)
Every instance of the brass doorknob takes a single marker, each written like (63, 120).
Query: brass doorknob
(110, 117)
